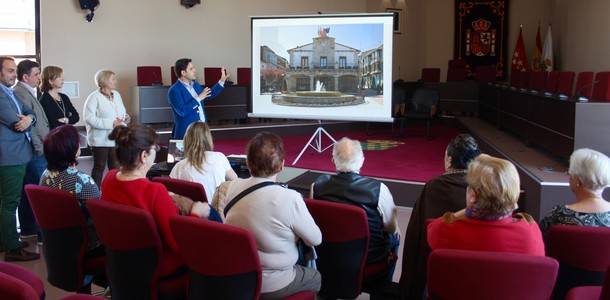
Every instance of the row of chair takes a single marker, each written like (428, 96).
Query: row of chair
(133, 248)
(122, 228)
(152, 75)
(458, 71)
(588, 84)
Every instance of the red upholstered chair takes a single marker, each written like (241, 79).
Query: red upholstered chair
(462, 274)
(566, 83)
(133, 252)
(343, 252)
(173, 76)
(552, 82)
(583, 253)
(485, 74)
(456, 70)
(211, 76)
(64, 229)
(537, 81)
(591, 292)
(25, 275)
(584, 85)
(457, 63)
(16, 289)
(149, 75)
(193, 190)
(431, 75)
(456, 74)
(244, 76)
(222, 259)
(601, 89)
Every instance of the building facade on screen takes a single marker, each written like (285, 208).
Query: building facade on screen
(323, 62)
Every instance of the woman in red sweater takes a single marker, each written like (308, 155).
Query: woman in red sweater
(488, 223)
(136, 149)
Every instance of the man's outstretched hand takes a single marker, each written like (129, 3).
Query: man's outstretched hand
(224, 76)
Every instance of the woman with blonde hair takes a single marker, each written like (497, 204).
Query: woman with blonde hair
(103, 111)
(488, 222)
(201, 163)
(589, 175)
(57, 106)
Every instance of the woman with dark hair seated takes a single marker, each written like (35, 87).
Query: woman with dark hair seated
(136, 148)
(441, 194)
(61, 149)
(488, 223)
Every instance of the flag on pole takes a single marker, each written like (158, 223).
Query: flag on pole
(547, 52)
(537, 57)
(519, 61)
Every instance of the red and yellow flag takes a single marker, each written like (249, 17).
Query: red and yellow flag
(537, 57)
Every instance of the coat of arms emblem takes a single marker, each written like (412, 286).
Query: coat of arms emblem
(481, 40)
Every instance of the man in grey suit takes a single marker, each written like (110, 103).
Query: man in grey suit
(15, 153)
(28, 76)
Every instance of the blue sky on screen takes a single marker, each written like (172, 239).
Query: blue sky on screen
(360, 36)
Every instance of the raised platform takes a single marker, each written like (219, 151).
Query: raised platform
(543, 178)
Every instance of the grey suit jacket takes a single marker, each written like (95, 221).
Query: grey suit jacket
(15, 148)
(41, 128)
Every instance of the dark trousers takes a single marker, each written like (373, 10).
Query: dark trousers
(33, 172)
(102, 156)
(11, 182)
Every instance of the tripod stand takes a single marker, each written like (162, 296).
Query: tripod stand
(315, 142)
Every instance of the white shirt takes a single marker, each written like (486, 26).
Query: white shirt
(277, 217)
(189, 87)
(214, 172)
(31, 89)
(99, 114)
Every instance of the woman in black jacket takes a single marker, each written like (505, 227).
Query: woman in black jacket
(57, 106)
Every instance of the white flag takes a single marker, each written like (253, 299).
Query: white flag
(547, 51)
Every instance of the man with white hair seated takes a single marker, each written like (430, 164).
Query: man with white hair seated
(349, 187)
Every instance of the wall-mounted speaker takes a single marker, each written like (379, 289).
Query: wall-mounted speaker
(88, 4)
(190, 3)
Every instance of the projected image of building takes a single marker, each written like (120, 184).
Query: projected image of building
(273, 70)
(371, 69)
(323, 60)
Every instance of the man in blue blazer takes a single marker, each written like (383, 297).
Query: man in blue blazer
(16, 151)
(186, 96)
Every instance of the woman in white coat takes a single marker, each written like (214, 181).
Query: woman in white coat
(103, 111)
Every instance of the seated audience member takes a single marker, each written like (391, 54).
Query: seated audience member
(61, 149)
(136, 147)
(201, 164)
(57, 106)
(441, 194)
(275, 215)
(589, 174)
(349, 187)
(487, 223)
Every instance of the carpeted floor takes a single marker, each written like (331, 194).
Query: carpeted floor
(413, 157)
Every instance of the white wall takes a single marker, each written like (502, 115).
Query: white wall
(581, 33)
(126, 34)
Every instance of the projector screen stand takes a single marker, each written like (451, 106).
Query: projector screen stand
(315, 142)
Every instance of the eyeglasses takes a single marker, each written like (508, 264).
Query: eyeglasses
(156, 148)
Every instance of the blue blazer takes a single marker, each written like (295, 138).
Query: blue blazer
(186, 108)
(15, 148)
